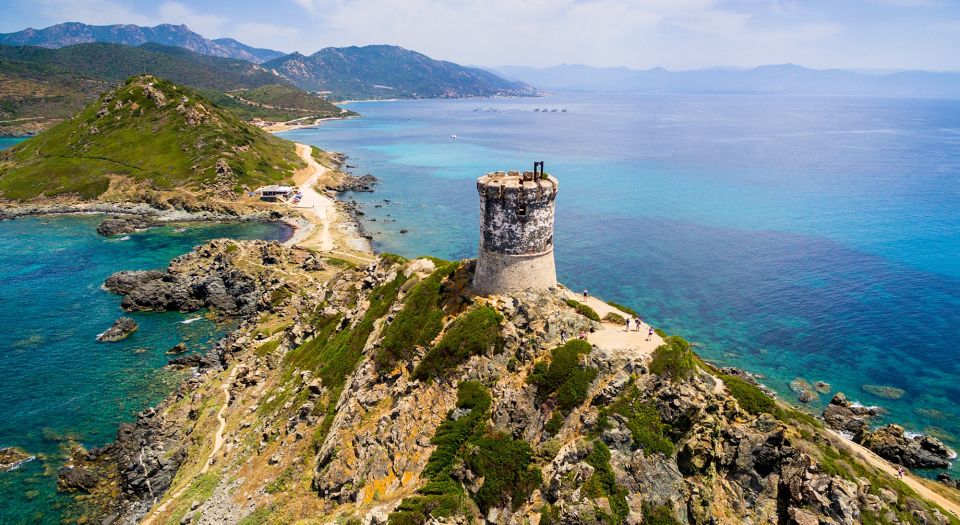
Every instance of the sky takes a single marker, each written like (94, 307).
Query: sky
(676, 34)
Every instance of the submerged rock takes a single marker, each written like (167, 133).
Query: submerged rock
(178, 349)
(886, 392)
(121, 328)
(13, 457)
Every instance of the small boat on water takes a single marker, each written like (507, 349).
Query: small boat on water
(453, 136)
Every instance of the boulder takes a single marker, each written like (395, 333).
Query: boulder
(847, 417)
(72, 479)
(121, 328)
(178, 349)
(123, 224)
(892, 443)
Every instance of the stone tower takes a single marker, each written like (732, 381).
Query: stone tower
(516, 232)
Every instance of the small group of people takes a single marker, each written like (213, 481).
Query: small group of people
(638, 325)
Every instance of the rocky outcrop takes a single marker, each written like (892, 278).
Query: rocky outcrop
(73, 479)
(205, 278)
(352, 183)
(316, 427)
(892, 443)
(124, 224)
(13, 457)
(120, 330)
(844, 416)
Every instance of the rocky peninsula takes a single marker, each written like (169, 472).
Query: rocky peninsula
(389, 392)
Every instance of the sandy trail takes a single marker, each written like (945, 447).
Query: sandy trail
(613, 336)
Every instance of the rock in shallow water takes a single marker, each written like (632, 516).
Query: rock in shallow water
(892, 443)
(123, 224)
(121, 328)
(13, 457)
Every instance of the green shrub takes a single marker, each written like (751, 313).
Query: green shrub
(659, 515)
(647, 429)
(624, 309)
(603, 484)
(750, 398)
(549, 515)
(660, 332)
(555, 423)
(260, 516)
(417, 324)
(473, 333)
(583, 310)
(504, 464)
(392, 258)
(614, 318)
(674, 359)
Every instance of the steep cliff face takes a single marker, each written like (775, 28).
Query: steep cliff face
(391, 394)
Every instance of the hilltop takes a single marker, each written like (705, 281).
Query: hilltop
(380, 71)
(40, 86)
(392, 393)
(149, 136)
(72, 33)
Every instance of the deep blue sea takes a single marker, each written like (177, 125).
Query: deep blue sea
(797, 237)
(57, 384)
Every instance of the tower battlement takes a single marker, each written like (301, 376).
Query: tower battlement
(516, 231)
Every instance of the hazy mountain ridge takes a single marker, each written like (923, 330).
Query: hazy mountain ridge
(71, 33)
(381, 71)
(785, 79)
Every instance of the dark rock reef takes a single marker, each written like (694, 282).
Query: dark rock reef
(353, 183)
(123, 224)
(120, 330)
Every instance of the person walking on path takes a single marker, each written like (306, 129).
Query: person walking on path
(585, 294)
(650, 333)
(628, 325)
(638, 321)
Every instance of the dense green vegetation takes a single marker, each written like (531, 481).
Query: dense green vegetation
(674, 359)
(603, 484)
(473, 333)
(749, 396)
(417, 324)
(564, 380)
(647, 429)
(504, 463)
(583, 310)
(151, 130)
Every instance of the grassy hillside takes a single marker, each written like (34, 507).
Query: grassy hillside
(150, 130)
(278, 102)
(46, 85)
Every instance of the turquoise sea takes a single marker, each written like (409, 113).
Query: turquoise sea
(57, 384)
(810, 237)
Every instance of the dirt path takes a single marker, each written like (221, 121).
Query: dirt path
(914, 482)
(614, 336)
(211, 458)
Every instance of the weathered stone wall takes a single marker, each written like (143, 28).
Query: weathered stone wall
(516, 234)
(499, 273)
(517, 219)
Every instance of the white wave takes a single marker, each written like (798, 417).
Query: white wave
(191, 320)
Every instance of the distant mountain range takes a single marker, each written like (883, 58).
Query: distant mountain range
(390, 72)
(71, 33)
(785, 79)
(40, 86)
(344, 73)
